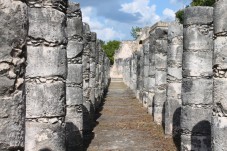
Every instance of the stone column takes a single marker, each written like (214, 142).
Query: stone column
(197, 84)
(101, 57)
(219, 118)
(138, 72)
(151, 78)
(160, 74)
(45, 76)
(13, 29)
(141, 81)
(74, 81)
(98, 47)
(174, 79)
(146, 48)
(87, 114)
(134, 72)
(93, 67)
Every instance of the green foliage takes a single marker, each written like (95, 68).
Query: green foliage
(135, 32)
(180, 13)
(110, 48)
(202, 2)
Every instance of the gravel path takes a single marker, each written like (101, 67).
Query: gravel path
(124, 125)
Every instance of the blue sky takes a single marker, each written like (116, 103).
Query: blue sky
(113, 19)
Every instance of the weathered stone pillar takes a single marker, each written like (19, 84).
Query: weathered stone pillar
(141, 75)
(13, 29)
(146, 48)
(45, 76)
(87, 110)
(160, 74)
(219, 118)
(138, 85)
(151, 78)
(197, 81)
(134, 72)
(74, 81)
(98, 47)
(174, 79)
(101, 58)
(106, 73)
(93, 67)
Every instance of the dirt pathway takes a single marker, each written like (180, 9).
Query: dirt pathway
(124, 125)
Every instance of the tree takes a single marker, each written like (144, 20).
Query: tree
(202, 2)
(180, 13)
(110, 48)
(135, 32)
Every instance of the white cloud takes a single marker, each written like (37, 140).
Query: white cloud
(147, 13)
(104, 31)
(168, 14)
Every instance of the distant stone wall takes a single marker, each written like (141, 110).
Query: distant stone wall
(178, 73)
(54, 75)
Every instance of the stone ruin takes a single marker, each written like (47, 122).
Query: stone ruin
(54, 75)
(179, 74)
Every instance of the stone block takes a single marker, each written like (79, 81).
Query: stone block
(195, 143)
(175, 30)
(174, 73)
(161, 46)
(219, 130)
(172, 115)
(198, 15)
(198, 38)
(174, 55)
(197, 91)
(44, 136)
(201, 125)
(12, 118)
(160, 78)
(74, 27)
(220, 86)
(158, 115)
(151, 84)
(220, 17)
(197, 63)
(159, 98)
(74, 115)
(45, 61)
(74, 96)
(74, 49)
(160, 61)
(45, 99)
(47, 23)
(146, 60)
(161, 33)
(13, 27)
(6, 85)
(75, 73)
(174, 90)
(220, 52)
(146, 71)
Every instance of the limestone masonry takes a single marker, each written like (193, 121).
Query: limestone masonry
(49, 60)
(54, 76)
(178, 72)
